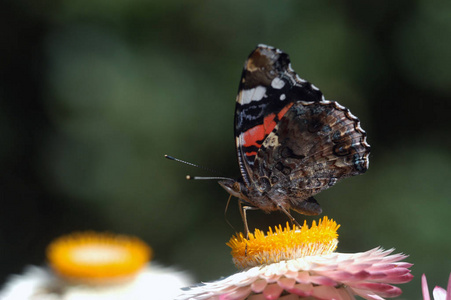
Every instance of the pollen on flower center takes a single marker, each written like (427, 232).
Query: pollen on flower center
(284, 243)
(94, 258)
(99, 254)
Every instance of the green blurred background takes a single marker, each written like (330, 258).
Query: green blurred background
(94, 93)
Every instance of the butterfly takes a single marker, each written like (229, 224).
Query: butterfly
(291, 142)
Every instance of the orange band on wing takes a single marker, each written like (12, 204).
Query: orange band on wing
(283, 111)
(252, 153)
(258, 133)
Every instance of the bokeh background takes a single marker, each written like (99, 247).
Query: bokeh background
(94, 93)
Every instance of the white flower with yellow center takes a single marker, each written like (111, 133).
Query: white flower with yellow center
(293, 263)
(91, 265)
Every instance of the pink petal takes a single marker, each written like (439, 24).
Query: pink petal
(381, 266)
(303, 277)
(240, 293)
(259, 285)
(388, 266)
(291, 274)
(343, 276)
(346, 293)
(272, 291)
(448, 289)
(377, 276)
(361, 275)
(325, 292)
(345, 263)
(392, 276)
(394, 258)
(374, 261)
(286, 283)
(400, 279)
(270, 277)
(301, 289)
(403, 264)
(338, 275)
(357, 267)
(326, 268)
(394, 292)
(322, 280)
(381, 289)
(368, 295)
(424, 288)
(393, 273)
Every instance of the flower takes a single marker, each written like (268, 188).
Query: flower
(293, 263)
(40, 283)
(284, 244)
(439, 293)
(96, 266)
(97, 257)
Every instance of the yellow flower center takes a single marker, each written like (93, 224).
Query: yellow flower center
(97, 258)
(284, 243)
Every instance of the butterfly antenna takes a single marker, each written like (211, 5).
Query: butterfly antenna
(188, 177)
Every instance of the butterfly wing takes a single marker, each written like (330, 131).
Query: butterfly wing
(268, 88)
(314, 145)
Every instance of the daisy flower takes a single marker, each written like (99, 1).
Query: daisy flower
(439, 293)
(89, 265)
(293, 263)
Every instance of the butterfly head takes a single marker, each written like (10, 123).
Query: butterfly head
(234, 188)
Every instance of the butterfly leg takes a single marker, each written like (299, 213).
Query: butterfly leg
(287, 213)
(243, 210)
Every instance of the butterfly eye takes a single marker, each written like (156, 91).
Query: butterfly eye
(236, 187)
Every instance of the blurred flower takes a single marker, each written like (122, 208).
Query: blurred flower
(96, 266)
(97, 258)
(438, 292)
(300, 263)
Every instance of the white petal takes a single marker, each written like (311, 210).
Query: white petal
(439, 293)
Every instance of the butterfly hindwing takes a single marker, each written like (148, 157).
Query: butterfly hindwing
(313, 146)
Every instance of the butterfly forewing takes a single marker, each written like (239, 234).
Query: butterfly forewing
(268, 88)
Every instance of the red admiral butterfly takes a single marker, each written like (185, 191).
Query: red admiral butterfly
(291, 142)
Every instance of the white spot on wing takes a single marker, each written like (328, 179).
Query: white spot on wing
(340, 106)
(255, 94)
(351, 115)
(271, 140)
(277, 83)
(314, 87)
(283, 97)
